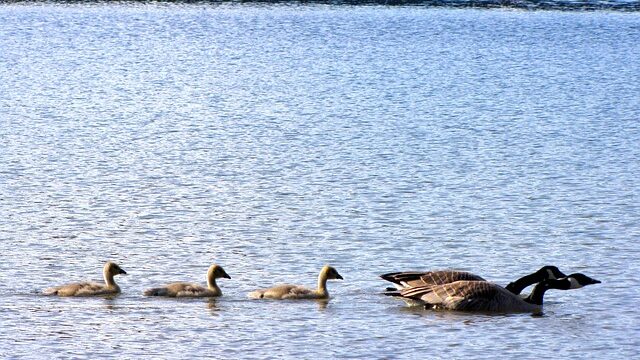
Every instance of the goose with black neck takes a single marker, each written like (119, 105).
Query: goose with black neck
(484, 296)
(408, 279)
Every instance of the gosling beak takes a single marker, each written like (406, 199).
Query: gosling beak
(122, 272)
(339, 277)
(226, 276)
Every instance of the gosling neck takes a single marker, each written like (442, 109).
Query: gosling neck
(108, 278)
(211, 283)
(322, 284)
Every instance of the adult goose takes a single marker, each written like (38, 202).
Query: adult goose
(407, 279)
(282, 292)
(184, 289)
(488, 297)
(110, 287)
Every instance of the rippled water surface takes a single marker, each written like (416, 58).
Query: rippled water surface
(276, 139)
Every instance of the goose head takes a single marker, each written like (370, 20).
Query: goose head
(217, 272)
(579, 280)
(112, 269)
(573, 281)
(331, 273)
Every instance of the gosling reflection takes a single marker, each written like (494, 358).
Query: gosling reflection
(213, 307)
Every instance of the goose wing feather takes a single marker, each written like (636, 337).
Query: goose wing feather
(466, 296)
(421, 278)
(446, 277)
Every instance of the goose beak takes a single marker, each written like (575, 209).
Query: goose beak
(122, 272)
(339, 277)
(594, 281)
(226, 276)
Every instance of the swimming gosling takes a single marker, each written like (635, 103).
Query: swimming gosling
(286, 292)
(183, 289)
(110, 287)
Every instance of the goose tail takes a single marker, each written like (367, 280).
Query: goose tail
(257, 294)
(389, 276)
(392, 292)
(50, 291)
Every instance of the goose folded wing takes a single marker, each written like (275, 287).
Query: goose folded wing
(421, 278)
(448, 276)
(458, 295)
(403, 276)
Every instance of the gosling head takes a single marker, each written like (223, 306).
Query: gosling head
(113, 269)
(579, 280)
(217, 272)
(332, 273)
(551, 272)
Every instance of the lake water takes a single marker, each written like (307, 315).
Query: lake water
(275, 139)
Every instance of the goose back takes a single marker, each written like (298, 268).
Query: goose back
(469, 296)
(406, 279)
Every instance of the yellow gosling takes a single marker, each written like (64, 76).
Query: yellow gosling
(91, 288)
(183, 289)
(283, 292)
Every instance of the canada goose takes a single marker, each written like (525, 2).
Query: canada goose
(91, 288)
(403, 280)
(485, 296)
(183, 289)
(299, 292)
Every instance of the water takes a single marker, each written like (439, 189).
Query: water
(276, 139)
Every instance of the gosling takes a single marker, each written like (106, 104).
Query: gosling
(286, 292)
(183, 289)
(110, 287)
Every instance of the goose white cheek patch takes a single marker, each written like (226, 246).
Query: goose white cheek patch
(574, 283)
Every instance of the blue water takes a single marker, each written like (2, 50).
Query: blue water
(276, 139)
